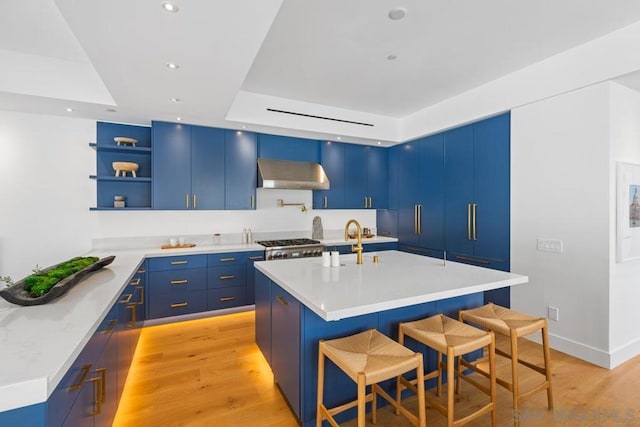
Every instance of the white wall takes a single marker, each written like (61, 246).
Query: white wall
(624, 336)
(45, 195)
(560, 189)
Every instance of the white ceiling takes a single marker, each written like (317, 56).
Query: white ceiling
(326, 57)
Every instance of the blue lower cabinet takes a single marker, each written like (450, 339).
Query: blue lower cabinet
(177, 262)
(220, 298)
(250, 274)
(226, 276)
(178, 281)
(263, 314)
(169, 304)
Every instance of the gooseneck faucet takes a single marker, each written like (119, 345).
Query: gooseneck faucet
(358, 248)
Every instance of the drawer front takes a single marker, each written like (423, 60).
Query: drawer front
(386, 246)
(226, 297)
(181, 280)
(177, 262)
(227, 258)
(176, 304)
(226, 276)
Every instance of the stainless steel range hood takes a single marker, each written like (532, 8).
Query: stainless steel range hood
(291, 175)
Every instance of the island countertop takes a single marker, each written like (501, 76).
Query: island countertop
(398, 279)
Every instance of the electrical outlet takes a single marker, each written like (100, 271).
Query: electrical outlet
(550, 245)
(553, 313)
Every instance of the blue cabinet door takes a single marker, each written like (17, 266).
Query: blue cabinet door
(332, 156)
(408, 192)
(491, 187)
(377, 177)
(288, 148)
(355, 176)
(285, 344)
(393, 171)
(459, 189)
(251, 275)
(106, 373)
(263, 314)
(207, 168)
(171, 166)
(431, 193)
(241, 170)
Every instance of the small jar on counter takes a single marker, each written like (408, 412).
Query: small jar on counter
(217, 239)
(118, 201)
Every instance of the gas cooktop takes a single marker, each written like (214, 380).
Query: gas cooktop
(291, 248)
(287, 242)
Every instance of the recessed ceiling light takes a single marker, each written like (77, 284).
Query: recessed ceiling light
(397, 13)
(111, 110)
(338, 138)
(172, 65)
(169, 7)
(178, 118)
(174, 99)
(69, 110)
(244, 127)
(379, 143)
(391, 57)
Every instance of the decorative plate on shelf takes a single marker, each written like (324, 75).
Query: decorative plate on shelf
(17, 294)
(125, 140)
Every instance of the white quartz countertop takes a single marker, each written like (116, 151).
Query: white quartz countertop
(38, 344)
(398, 280)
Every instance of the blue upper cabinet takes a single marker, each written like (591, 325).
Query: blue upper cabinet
(171, 165)
(377, 177)
(408, 192)
(288, 148)
(355, 176)
(136, 190)
(241, 169)
(477, 192)
(207, 168)
(332, 159)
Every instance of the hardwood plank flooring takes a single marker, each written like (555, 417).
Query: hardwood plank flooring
(209, 372)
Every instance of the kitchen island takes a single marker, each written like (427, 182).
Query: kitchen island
(299, 302)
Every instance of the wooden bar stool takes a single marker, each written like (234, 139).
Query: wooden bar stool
(515, 325)
(454, 339)
(368, 358)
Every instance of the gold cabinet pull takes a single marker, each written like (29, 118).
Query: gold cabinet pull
(126, 298)
(179, 304)
(370, 202)
(419, 221)
(142, 271)
(477, 260)
(186, 200)
(195, 201)
(256, 258)
(281, 300)
(179, 262)
(365, 202)
(230, 276)
(253, 201)
(100, 391)
(82, 376)
(141, 289)
(468, 221)
(135, 282)
(132, 322)
(415, 219)
(179, 282)
(226, 299)
(109, 329)
(227, 259)
(475, 235)
(325, 203)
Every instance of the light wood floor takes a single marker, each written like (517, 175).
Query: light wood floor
(209, 372)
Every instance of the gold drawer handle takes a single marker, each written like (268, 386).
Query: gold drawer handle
(126, 298)
(84, 371)
(142, 271)
(112, 324)
(255, 258)
(281, 300)
(178, 262)
(227, 259)
(179, 282)
(231, 276)
(180, 304)
(225, 299)
(135, 282)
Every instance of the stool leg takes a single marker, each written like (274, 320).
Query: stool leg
(422, 416)
(399, 385)
(514, 378)
(362, 401)
(450, 386)
(319, 416)
(492, 379)
(439, 379)
(547, 364)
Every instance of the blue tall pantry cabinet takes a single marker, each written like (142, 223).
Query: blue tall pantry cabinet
(477, 196)
(241, 172)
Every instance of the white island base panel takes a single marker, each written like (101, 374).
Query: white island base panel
(398, 279)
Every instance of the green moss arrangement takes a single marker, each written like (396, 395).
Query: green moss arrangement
(40, 283)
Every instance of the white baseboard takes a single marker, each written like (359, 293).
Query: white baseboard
(581, 351)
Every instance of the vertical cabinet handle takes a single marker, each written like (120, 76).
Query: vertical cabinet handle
(415, 219)
(186, 200)
(370, 202)
(419, 219)
(325, 203)
(475, 235)
(365, 203)
(132, 322)
(100, 391)
(141, 300)
(253, 201)
(195, 201)
(468, 221)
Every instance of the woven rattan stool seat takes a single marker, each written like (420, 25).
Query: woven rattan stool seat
(368, 358)
(503, 320)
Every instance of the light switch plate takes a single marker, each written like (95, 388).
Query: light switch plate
(553, 313)
(550, 245)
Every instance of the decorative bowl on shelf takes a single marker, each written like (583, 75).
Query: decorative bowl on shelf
(17, 294)
(125, 141)
(125, 167)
